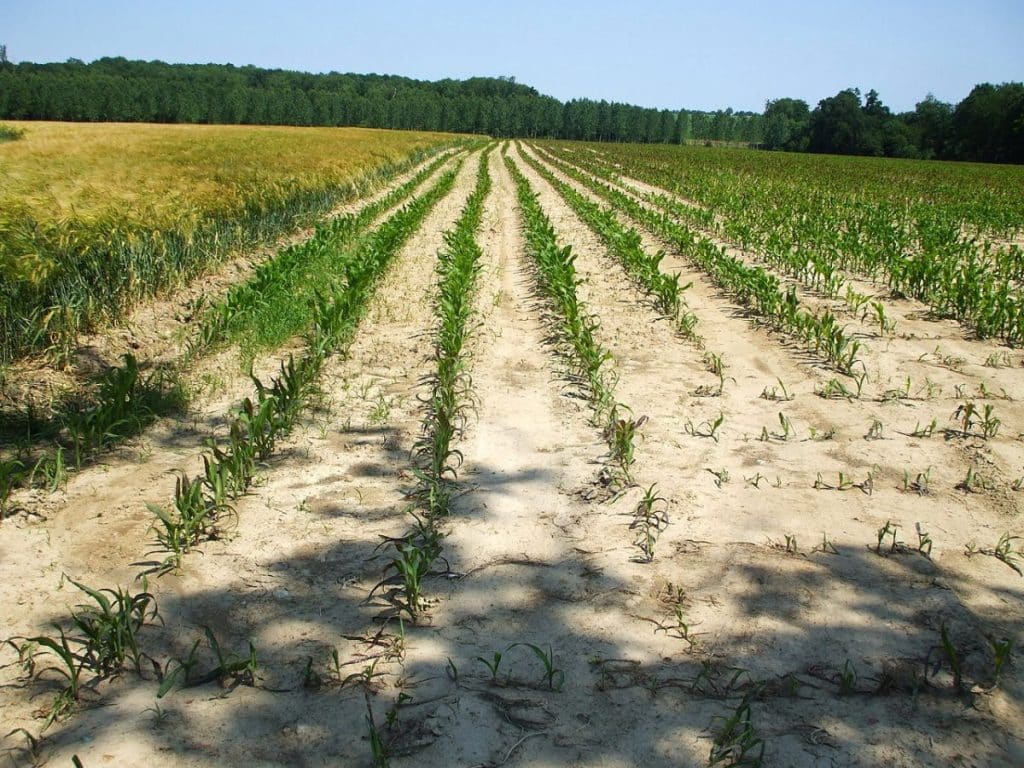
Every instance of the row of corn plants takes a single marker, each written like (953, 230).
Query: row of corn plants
(201, 503)
(105, 636)
(450, 398)
(268, 307)
(756, 289)
(624, 242)
(812, 267)
(941, 247)
(557, 280)
(108, 267)
(276, 304)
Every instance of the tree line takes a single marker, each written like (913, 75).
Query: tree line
(116, 89)
(987, 126)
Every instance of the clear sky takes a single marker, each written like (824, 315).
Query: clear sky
(706, 55)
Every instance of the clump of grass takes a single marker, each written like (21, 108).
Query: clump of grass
(11, 133)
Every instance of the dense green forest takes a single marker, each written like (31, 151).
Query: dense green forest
(115, 89)
(988, 125)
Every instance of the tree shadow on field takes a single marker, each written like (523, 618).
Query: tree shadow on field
(762, 629)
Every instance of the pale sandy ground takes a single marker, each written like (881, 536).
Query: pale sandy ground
(538, 554)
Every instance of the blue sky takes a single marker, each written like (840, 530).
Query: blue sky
(704, 55)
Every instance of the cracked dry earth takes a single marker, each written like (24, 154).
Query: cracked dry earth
(830, 655)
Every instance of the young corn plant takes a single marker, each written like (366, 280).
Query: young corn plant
(649, 520)
(104, 636)
(437, 460)
(706, 428)
(737, 743)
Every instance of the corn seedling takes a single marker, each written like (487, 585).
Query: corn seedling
(921, 484)
(379, 751)
(649, 519)
(240, 670)
(968, 416)
(755, 480)
(874, 431)
(926, 431)
(952, 657)
(721, 475)
(998, 360)
(847, 679)
(924, 541)
(825, 547)
(1001, 650)
(778, 394)
(889, 529)
(706, 428)
(108, 631)
(974, 482)
(11, 475)
(553, 676)
(823, 435)
(69, 666)
(492, 665)
(1005, 552)
(737, 743)
(785, 428)
(885, 324)
(836, 390)
(620, 434)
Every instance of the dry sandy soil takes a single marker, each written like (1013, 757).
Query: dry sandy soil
(743, 603)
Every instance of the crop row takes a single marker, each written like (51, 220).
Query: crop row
(753, 287)
(923, 251)
(644, 269)
(450, 384)
(272, 304)
(557, 280)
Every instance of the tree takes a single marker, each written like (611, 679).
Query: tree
(838, 124)
(786, 125)
(989, 124)
(931, 125)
